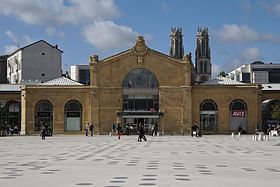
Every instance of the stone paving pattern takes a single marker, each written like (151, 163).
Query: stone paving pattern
(76, 160)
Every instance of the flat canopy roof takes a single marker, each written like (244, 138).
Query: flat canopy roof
(10, 87)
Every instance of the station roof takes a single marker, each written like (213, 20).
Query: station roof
(61, 81)
(10, 87)
(222, 81)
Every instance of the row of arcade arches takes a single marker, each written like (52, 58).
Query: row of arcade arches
(209, 115)
(72, 115)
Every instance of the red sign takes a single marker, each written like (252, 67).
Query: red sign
(237, 113)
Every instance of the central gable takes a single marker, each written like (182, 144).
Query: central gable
(168, 71)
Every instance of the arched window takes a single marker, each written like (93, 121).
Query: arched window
(238, 104)
(140, 78)
(43, 115)
(208, 115)
(238, 115)
(73, 116)
(12, 115)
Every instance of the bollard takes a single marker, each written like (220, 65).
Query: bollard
(254, 138)
(266, 138)
(239, 134)
(260, 137)
(232, 134)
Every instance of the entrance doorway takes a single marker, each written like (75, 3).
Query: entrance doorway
(134, 121)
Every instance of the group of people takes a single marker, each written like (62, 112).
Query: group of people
(117, 130)
(89, 128)
(45, 131)
(195, 130)
(8, 130)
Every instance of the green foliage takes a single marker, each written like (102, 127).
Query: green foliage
(275, 111)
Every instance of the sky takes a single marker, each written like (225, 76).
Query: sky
(241, 31)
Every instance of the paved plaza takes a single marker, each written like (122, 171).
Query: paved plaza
(76, 160)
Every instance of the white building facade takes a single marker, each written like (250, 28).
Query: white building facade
(257, 72)
(80, 73)
(39, 61)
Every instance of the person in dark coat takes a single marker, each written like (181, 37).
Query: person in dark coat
(91, 127)
(141, 133)
(119, 129)
(43, 132)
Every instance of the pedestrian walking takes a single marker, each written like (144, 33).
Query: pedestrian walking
(91, 127)
(141, 133)
(43, 132)
(113, 129)
(119, 131)
(86, 129)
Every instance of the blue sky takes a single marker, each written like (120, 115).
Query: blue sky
(241, 31)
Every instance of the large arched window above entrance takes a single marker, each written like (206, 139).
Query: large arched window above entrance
(73, 116)
(140, 98)
(208, 116)
(43, 114)
(140, 78)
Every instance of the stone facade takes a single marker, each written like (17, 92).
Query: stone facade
(179, 98)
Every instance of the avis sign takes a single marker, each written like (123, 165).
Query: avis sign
(237, 113)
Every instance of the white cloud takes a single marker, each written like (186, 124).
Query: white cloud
(10, 48)
(50, 31)
(271, 7)
(25, 40)
(247, 56)
(108, 35)
(42, 12)
(12, 36)
(242, 33)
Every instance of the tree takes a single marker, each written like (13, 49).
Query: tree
(275, 111)
(222, 74)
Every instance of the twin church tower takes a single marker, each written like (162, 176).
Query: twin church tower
(202, 53)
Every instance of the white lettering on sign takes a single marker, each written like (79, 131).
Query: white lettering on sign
(237, 113)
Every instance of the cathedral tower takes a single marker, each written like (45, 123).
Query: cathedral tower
(176, 43)
(202, 56)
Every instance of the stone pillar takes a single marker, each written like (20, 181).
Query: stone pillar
(23, 111)
(93, 65)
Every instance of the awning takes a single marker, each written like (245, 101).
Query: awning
(140, 116)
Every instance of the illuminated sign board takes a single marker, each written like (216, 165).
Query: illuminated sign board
(237, 113)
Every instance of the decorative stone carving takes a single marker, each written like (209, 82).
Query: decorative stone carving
(140, 49)
(188, 58)
(93, 59)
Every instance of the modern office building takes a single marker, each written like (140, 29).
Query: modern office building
(80, 73)
(257, 72)
(39, 61)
